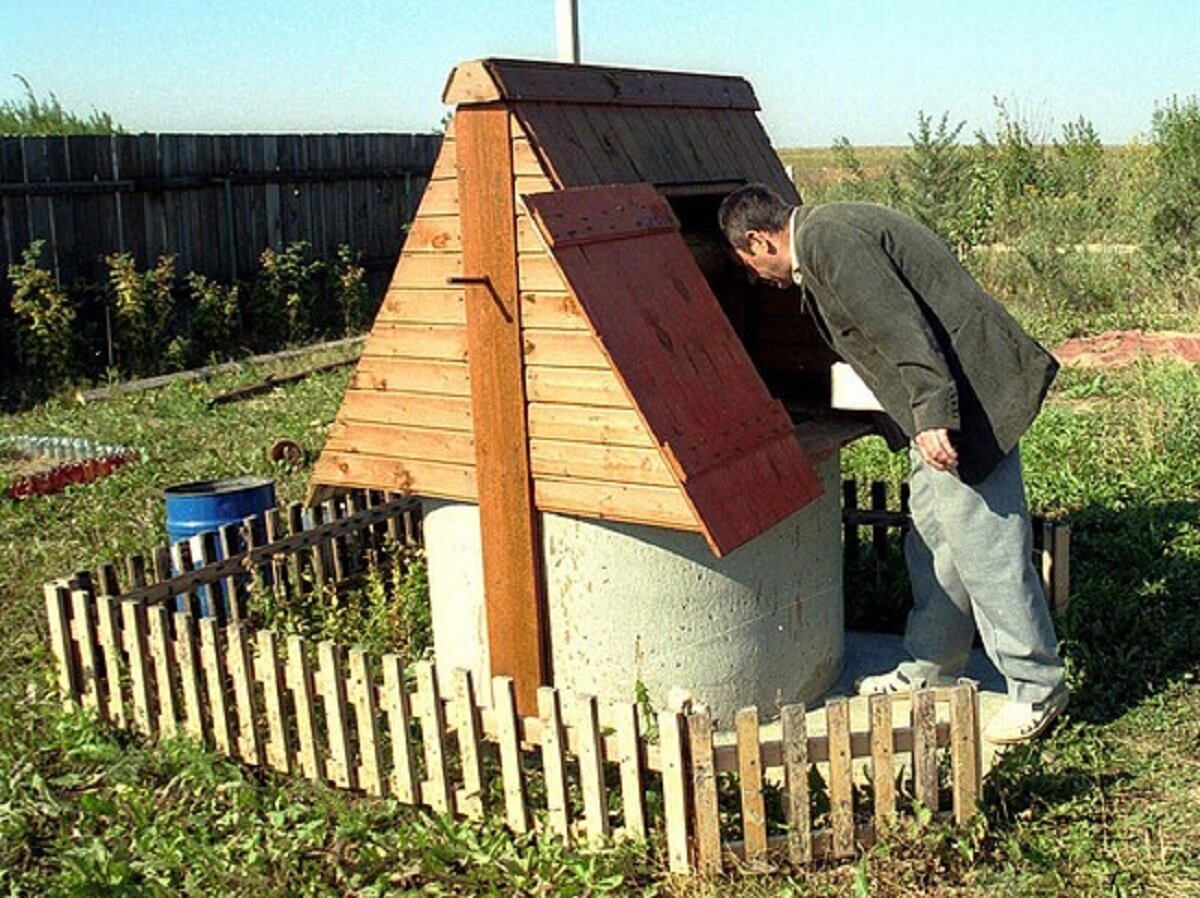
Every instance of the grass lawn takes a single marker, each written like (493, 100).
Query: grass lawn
(1109, 805)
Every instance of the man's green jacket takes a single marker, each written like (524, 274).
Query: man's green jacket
(935, 348)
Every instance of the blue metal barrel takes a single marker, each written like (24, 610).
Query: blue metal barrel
(207, 505)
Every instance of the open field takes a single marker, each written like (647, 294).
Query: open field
(1108, 805)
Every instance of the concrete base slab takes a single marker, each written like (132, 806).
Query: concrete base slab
(870, 653)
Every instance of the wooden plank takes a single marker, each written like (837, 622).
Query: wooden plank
(427, 271)
(883, 771)
(704, 794)
(440, 197)
(675, 801)
(57, 614)
(510, 546)
(629, 757)
(486, 80)
(332, 689)
(436, 342)
(841, 777)
(362, 696)
(165, 669)
(1060, 580)
(470, 798)
(187, 656)
(268, 670)
(564, 348)
(401, 440)
(754, 814)
(108, 630)
(213, 657)
(618, 464)
(797, 807)
(588, 424)
(300, 682)
(411, 376)
(443, 306)
(404, 783)
(554, 764)
(229, 537)
(925, 770)
(591, 771)
(133, 616)
(424, 478)
(607, 501)
(435, 791)
(83, 634)
(551, 311)
(576, 386)
(434, 234)
(537, 273)
(508, 727)
(452, 413)
(965, 751)
(249, 745)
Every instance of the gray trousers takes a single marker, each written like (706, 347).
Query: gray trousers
(969, 554)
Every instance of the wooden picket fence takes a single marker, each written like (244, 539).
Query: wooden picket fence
(139, 655)
(1051, 538)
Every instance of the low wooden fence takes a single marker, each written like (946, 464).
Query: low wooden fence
(139, 656)
(1051, 538)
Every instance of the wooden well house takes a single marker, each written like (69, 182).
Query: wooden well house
(566, 335)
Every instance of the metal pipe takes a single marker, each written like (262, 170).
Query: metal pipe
(566, 19)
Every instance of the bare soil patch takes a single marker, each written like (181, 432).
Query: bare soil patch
(1116, 349)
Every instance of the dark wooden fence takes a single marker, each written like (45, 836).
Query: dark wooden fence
(214, 201)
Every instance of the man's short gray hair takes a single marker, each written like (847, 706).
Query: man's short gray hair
(754, 207)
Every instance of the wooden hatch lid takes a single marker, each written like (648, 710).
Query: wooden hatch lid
(731, 445)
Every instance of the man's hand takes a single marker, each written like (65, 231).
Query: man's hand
(935, 447)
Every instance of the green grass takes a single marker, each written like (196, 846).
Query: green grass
(1109, 805)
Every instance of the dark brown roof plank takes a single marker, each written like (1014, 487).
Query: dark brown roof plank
(523, 80)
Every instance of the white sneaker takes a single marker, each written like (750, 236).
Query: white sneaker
(1022, 721)
(897, 681)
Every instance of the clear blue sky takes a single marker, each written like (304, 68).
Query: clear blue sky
(822, 69)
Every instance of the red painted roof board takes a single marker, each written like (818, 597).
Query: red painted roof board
(731, 444)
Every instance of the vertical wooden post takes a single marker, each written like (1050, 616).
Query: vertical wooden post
(496, 364)
(841, 777)
(704, 794)
(754, 813)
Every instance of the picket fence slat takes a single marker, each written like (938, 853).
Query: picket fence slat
(883, 760)
(300, 682)
(405, 785)
(469, 745)
(794, 730)
(629, 758)
(134, 637)
(674, 790)
(591, 771)
(109, 631)
(269, 672)
(187, 654)
(362, 696)
(554, 765)
(241, 672)
(965, 750)
(57, 600)
(165, 664)
(704, 794)
(82, 632)
(436, 790)
(841, 777)
(754, 813)
(925, 764)
(504, 703)
(214, 662)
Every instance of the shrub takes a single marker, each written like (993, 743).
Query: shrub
(1175, 197)
(47, 117)
(144, 306)
(44, 315)
(285, 294)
